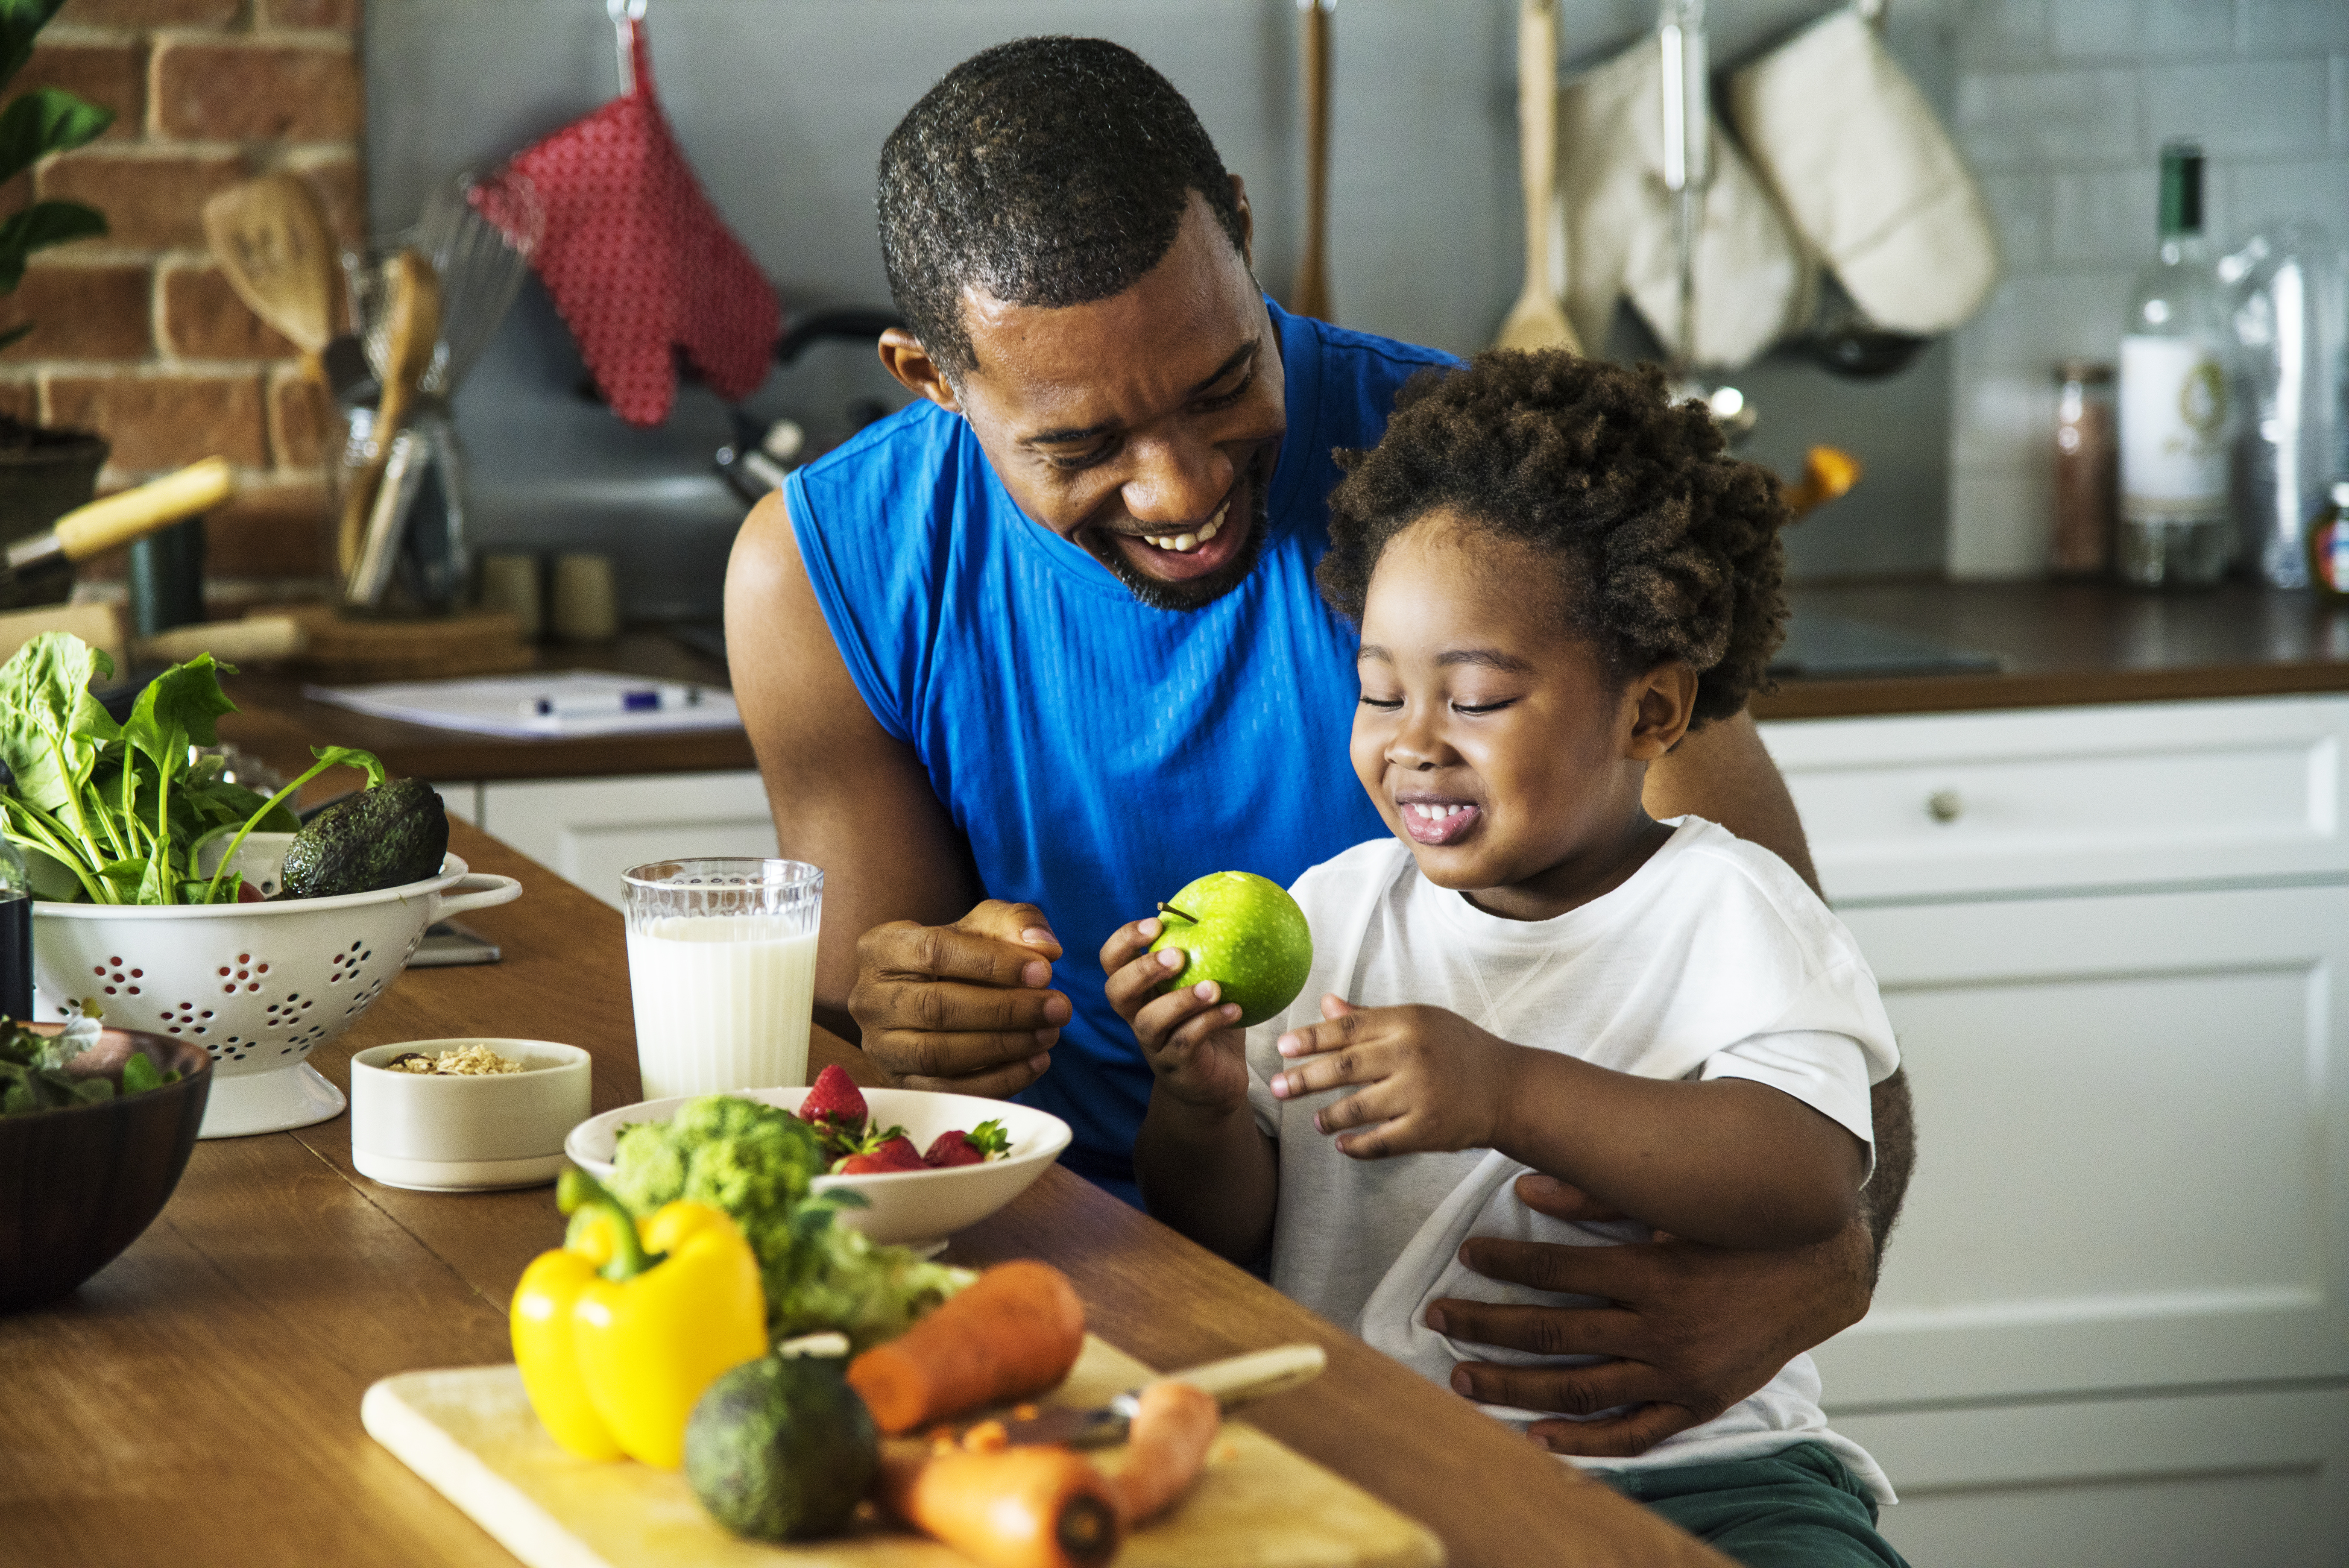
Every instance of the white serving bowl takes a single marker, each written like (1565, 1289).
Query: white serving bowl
(258, 986)
(473, 1132)
(906, 1208)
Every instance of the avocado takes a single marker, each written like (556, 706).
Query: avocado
(388, 836)
(781, 1449)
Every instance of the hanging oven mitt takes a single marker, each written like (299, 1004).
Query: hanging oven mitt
(638, 261)
(1867, 175)
(1753, 281)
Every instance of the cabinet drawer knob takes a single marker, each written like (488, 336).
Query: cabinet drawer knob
(1945, 806)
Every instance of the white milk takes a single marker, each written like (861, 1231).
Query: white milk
(722, 1001)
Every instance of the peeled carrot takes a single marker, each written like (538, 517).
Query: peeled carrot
(1015, 1331)
(1015, 1508)
(1174, 1426)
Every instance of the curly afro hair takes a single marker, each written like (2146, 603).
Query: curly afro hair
(1044, 171)
(1666, 547)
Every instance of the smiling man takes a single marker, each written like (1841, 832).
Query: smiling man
(1027, 656)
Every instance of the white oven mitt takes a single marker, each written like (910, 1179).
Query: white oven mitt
(1867, 175)
(1753, 279)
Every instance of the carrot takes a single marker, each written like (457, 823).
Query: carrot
(1174, 1426)
(1013, 1332)
(1015, 1508)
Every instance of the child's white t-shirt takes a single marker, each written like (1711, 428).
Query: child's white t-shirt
(1713, 959)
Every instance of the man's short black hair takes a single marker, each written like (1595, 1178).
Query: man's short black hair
(1042, 171)
(1666, 547)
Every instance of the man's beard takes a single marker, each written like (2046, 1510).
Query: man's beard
(1200, 592)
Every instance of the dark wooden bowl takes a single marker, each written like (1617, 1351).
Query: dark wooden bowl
(78, 1185)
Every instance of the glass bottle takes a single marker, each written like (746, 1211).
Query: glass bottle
(2175, 407)
(2288, 323)
(15, 935)
(2085, 455)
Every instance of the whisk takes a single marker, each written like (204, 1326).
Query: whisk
(479, 230)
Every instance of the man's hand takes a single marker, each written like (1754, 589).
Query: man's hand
(1692, 1330)
(1191, 1039)
(1433, 1080)
(963, 1008)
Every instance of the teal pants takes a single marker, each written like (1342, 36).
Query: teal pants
(1797, 1508)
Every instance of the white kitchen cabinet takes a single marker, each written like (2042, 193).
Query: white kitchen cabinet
(591, 830)
(2114, 1324)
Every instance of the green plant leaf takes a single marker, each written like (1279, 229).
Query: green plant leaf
(351, 757)
(46, 120)
(20, 21)
(180, 707)
(52, 729)
(39, 226)
(16, 333)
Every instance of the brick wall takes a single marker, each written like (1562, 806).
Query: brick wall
(136, 336)
(2063, 107)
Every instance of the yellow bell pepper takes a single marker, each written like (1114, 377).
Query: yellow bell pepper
(618, 1333)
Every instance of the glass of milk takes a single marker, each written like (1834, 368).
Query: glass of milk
(721, 969)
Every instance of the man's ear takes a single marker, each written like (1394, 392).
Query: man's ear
(1247, 222)
(1660, 705)
(903, 356)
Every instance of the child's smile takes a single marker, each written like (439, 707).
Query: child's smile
(1491, 739)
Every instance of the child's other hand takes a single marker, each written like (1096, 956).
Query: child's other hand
(1430, 1079)
(1190, 1039)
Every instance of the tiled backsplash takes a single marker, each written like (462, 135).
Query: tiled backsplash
(2062, 107)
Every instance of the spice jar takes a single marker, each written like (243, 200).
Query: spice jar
(2328, 546)
(2086, 466)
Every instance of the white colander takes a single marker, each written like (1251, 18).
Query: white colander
(257, 985)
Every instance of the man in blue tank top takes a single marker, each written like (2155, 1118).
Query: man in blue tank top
(1029, 655)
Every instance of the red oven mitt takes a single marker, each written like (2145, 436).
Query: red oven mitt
(638, 261)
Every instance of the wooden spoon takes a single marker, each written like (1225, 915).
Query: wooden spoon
(412, 324)
(273, 246)
(1537, 320)
(1311, 295)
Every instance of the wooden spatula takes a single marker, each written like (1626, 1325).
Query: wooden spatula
(1311, 296)
(412, 324)
(271, 244)
(1537, 320)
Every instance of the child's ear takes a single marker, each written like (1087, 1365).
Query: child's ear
(1661, 703)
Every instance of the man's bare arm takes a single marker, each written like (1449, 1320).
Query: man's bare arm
(932, 987)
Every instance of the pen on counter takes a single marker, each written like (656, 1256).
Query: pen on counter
(594, 704)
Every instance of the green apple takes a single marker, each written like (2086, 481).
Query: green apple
(1245, 934)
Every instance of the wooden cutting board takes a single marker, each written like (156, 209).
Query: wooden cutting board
(469, 1432)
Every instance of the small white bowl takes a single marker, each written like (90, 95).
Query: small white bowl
(906, 1208)
(467, 1134)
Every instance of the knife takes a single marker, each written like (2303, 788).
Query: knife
(119, 519)
(1232, 1382)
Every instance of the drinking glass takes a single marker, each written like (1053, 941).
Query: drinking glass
(722, 971)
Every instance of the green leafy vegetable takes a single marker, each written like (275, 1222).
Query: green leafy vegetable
(35, 1071)
(125, 808)
(755, 1162)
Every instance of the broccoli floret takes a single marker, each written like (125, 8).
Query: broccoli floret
(755, 1162)
(749, 1160)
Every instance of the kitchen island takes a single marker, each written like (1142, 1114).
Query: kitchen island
(198, 1401)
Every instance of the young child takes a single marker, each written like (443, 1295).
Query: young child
(1557, 573)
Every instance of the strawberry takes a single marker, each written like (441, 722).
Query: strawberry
(893, 1154)
(834, 1099)
(985, 1142)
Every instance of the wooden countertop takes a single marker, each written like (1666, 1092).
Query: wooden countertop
(198, 1401)
(2061, 644)
(276, 721)
(2077, 643)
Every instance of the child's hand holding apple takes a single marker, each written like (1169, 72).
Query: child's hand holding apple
(1230, 950)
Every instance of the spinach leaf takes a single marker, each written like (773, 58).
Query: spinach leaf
(52, 730)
